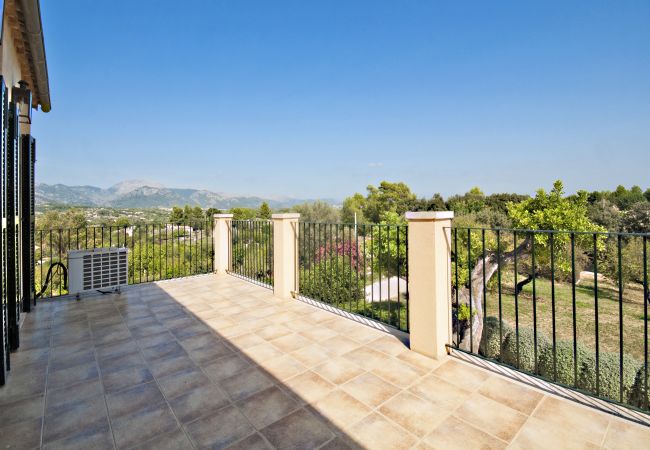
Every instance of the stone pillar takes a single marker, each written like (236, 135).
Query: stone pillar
(429, 265)
(221, 242)
(285, 254)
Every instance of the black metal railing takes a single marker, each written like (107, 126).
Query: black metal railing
(251, 250)
(156, 251)
(361, 269)
(569, 307)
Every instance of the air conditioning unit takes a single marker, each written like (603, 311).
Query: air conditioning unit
(97, 268)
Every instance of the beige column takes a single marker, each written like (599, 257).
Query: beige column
(221, 242)
(429, 265)
(285, 254)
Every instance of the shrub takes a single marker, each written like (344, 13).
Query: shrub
(526, 349)
(564, 362)
(333, 280)
(608, 368)
(639, 396)
(490, 346)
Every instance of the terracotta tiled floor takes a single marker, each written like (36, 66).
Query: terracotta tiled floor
(213, 362)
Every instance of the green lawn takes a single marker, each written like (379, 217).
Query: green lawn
(608, 313)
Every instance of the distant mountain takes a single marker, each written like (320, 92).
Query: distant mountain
(146, 194)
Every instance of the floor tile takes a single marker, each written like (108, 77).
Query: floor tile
(181, 382)
(341, 409)
(253, 442)
(89, 414)
(225, 367)
(59, 398)
(197, 402)
(245, 383)
(298, 430)
(338, 370)
(514, 395)
(370, 389)
(267, 406)
(376, 432)
(626, 434)
(413, 413)
(174, 440)
(133, 399)
(455, 434)
(136, 427)
(121, 379)
(219, 429)
(309, 386)
(23, 434)
(492, 417)
(585, 422)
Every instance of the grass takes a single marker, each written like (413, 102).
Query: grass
(609, 318)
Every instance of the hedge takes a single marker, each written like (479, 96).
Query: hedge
(609, 371)
(564, 362)
(526, 349)
(490, 346)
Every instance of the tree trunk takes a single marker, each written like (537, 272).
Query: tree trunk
(472, 338)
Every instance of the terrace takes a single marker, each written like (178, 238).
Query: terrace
(213, 361)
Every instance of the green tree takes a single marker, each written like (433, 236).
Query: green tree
(624, 198)
(317, 211)
(264, 212)
(435, 203)
(546, 211)
(637, 218)
(471, 202)
(353, 208)
(387, 197)
(243, 213)
(210, 212)
(176, 215)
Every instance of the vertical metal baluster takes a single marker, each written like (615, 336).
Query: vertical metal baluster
(573, 301)
(499, 294)
(146, 252)
(595, 242)
(40, 254)
(406, 268)
(552, 243)
(51, 261)
(373, 246)
(140, 252)
(514, 235)
(646, 298)
(379, 264)
(469, 283)
(60, 257)
(532, 236)
(457, 286)
(350, 263)
(390, 313)
(365, 270)
(484, 282)
(620, 317)
(399, 298)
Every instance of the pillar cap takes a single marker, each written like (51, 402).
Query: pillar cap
(224, 216)
(285, 216)
(429, 215)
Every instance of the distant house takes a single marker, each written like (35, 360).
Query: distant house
(24, 87)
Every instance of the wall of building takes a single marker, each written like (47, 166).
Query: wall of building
(10, 64)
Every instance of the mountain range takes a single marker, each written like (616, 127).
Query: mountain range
(145, 194)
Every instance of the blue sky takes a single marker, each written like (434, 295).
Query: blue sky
(322, 98)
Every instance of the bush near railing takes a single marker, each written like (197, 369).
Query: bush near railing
(361, 269)
(251, 250)
(156, 251)
(569, 307)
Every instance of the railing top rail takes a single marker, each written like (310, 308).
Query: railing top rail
(356, 224)
(524, 230)
(188, 223)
